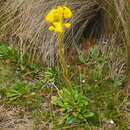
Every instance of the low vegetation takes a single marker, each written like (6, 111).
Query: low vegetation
(96, 99)
(65, 65)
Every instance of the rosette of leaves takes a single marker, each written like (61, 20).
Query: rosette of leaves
(73, 105)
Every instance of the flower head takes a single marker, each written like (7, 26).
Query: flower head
(56, 17)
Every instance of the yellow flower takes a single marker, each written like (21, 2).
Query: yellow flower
(51, 28)
(60, 10)
(56, 17)
(67, 13)
(58, 27)
(67, 25)
(50, 18)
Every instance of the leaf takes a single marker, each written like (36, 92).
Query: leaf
(70, 120)
(89, 114)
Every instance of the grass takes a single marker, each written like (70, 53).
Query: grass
(95, 101)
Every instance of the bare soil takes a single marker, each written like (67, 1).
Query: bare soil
(14, 119)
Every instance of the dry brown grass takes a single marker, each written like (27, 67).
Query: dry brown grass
(22, 23)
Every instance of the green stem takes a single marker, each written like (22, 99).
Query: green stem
(62, 62)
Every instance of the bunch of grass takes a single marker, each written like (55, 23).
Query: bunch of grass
(22, 23)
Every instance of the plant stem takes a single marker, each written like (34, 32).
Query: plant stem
(62, 62)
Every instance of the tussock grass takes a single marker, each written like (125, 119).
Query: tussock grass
(22, 22)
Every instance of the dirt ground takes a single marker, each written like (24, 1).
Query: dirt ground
(14, 119)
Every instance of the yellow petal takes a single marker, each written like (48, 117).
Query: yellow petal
(51, 28)
(67, 25)
(60, 9)
(67, 13)
(50, 18)
(59, 14)
(58, 27)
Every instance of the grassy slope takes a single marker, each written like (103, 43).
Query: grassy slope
(29, 89)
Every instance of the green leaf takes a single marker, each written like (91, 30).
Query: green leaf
(89, 114)
(70, 120)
